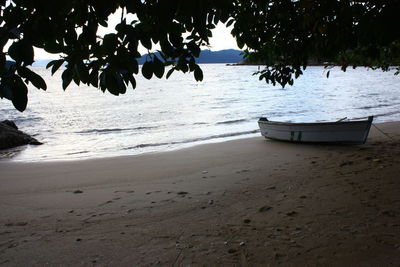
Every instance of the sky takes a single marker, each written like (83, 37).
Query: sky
(222, 39)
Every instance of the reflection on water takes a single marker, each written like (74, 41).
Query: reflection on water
(83, 122)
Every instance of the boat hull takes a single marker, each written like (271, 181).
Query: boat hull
(349, 132)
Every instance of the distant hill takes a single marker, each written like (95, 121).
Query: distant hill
(206, 56)
(222, 56)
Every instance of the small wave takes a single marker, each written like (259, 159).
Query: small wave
(147, 145)
(143, 128)
(113, 130)
(200, 123)
(194, 140)
(219, 136)
(231, 121)
(27, 120)
(77, 153)
(387, 114)
(377, 106)
(100, 131)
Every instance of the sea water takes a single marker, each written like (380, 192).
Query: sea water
(161, 115)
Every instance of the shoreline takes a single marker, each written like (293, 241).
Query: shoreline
(11, 155)
(179, 146)
(242, 202)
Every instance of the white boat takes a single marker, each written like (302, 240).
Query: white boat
(341, 131)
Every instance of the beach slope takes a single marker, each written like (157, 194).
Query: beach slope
(247, 202)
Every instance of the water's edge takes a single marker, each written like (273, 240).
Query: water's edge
(162, 115)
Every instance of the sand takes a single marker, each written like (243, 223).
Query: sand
(247, 202)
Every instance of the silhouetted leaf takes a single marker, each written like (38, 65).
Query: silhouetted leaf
(110, 42)
(146, 42)
(170, 72)
(21, 51)
(82, 72)
(158, 67)
(20, 93)
(240, 42)
(147, 70)
(34, 78)
(2, 63)
(134, 66)
(111, 83)
(121, 84)
(194, 49)
(198, 73)
(182, 65)
(75, 76)
(229, 22)
(102, 83)
(53, 47)
(94, 78)
(5, 90)
(132, 80)
(56, 64)
(66, 78)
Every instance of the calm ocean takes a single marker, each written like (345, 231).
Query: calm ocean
(161, 115)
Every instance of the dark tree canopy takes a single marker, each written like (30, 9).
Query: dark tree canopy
(284, 35)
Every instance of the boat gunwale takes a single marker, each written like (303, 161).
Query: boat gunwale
(369, 120)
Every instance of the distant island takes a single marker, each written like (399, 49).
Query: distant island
(206, 56)
(230, 57)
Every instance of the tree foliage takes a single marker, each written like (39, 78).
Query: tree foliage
(283, 34)
(289, 35)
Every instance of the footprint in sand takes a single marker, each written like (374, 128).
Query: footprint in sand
(16, 224)
(292, 213)
(105, 203)
(264, 208)
(124, 191)
(151, 192)
(130, 211)
(75, 191)
(242, 171)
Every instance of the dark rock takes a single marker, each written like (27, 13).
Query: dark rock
(11, 124)
(11, 137)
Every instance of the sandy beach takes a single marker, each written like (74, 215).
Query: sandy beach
(247, 202)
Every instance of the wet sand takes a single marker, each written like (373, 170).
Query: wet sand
(248, 202)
